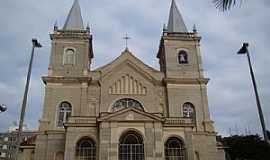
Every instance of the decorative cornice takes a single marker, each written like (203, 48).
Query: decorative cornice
(186, 80)
(181, 36)
(50, 79)
(46, 132)
(71, 34)
(81, 122)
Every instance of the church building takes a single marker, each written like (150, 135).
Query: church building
(126, 110)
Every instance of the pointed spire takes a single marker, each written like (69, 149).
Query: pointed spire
(74, 20)
(176, 22)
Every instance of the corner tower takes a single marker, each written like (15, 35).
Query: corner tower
(180, 60)
(71, 52)
(69, 69)
(66, 85)
(179, 53)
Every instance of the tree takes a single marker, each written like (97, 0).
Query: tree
(226, 4)
(250, 147)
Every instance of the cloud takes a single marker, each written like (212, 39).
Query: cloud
(231, 97)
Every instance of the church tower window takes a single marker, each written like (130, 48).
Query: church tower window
(183, 57)
(126, 103)
(69, 57)
(188, 110)
(131, 146)
(64, 113)
(86, 149)
(174, 149)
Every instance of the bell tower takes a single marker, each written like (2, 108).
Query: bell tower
(179, 53)
(68, 71)
(180, 60)
(71, 52)
(66, 85)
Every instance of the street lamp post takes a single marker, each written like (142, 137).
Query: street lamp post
(244, 50)
(35, 44)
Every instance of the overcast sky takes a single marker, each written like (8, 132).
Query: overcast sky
(230, 93)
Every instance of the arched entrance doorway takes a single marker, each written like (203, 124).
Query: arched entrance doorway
(131, 146)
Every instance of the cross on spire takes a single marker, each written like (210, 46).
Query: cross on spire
(126, 38)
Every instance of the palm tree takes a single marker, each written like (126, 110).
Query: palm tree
(226, 4)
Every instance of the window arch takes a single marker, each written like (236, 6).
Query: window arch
(189, 110)
(86, 149)
(174, 149)
(131, 146)
(69, 56)
(125, 103)
(182, 57)
(65, 109)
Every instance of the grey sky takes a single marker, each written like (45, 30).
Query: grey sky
(231, 98)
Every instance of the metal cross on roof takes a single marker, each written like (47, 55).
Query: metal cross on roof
(126, 38)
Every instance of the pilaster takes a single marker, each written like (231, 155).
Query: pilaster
(104, 139)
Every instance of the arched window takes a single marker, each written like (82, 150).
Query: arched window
(174, 149)
(182, 57)
(125, 103)
(69, 57)
(131, 146)
(64, 112)
(86, 149)
(189, 110)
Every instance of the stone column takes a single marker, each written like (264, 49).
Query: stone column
(149, 141)
(105, 139)
(189, 146)
(41, 147)
(159, 145)
(70, 148)
(84, 110)
(113, 152)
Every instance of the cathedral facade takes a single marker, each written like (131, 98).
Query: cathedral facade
(126, 110)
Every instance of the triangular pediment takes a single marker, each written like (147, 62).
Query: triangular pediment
(130, 115)
(127, 59)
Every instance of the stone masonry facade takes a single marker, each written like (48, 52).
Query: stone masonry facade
(161, 104)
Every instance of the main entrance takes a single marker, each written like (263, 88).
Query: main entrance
(131, 146)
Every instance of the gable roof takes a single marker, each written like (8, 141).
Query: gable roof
(129, 59)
